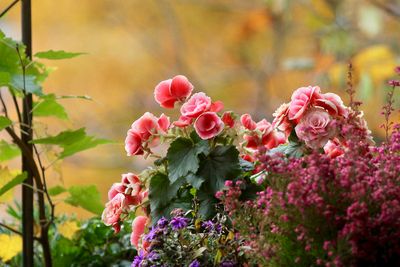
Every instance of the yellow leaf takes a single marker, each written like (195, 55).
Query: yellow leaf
(68, 229)
(10, 246)
(5, 177)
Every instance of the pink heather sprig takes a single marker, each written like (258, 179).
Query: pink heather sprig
(388, 107)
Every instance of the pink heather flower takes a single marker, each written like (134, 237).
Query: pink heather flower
(248, 122)
(302, 98)
(208, 125)
(115, 189)
(394, 83)
(315, 128)
(138, 226)
(228, 119)
(196, 105)
(133, 143)
(397, 69)
(114, 208)
(333, 104)
(172, 90)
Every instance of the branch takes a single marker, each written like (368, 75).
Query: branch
(10, 229)
(8, 8)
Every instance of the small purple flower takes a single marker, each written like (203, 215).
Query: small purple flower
(195, 263)
(138, 259)
(179, 223)
(152, 256)
(227, 264)
(151, 235)
(162, 222)
(208, 225)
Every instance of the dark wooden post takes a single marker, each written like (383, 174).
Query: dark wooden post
(26, 136)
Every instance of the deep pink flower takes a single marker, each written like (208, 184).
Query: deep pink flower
(208, 125)
(333, 148)
(302, 98)
(138, 227)
(183, 122)
(332, 103)
(146, 126)
(397, 69)
(114, 208)
(315, 128)
(394, 83)
(196, 105)
(133, 143)
(133, 189)
(172, 90)
(163, 123)
(228, 119)
(248, 122)
(217, 106)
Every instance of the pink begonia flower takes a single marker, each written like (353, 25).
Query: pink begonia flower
(217, 106)
(315, 128)
(273, 139)
(133, 189)
(208, 125)
(163, 123)
(333, 148)
(172, 90)
(281, 119)
(133, 143)
(146, 126)
(183, 122)
(228, 119)
(333, 104)
(196, 105)
(138, 226)
(302, 98)
(264, 127)
(114, 208)
(115, 189)
(248, 122)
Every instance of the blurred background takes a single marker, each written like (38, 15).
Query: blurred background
(249, 54)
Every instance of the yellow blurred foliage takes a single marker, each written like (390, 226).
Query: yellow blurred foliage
(68, 229)
(5, 177)
(10, 246)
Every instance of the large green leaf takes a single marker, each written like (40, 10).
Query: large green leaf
(56, 190)
(183, 157)
(14, 182)
(5, 78)
(8, 151)
(72, 142)
(4, 122)
(207, 204)
(27, 83)
(55, 55)
(161, 193)
(49, 107)
(220, 165)
(87, 197)
(10, 61)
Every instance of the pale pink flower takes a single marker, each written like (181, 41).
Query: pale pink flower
(315, 128)
(172, 90)
(146, 126)
(138, 227)
(115, 189)
(133, 189)
(196, 105)
(333, 148)
(281, 119)
(302, 98)
(333, 104)
(133, 143)
(208, 125)
(248, 122)
(183, 122)
(114, 208)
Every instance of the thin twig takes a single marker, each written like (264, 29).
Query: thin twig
(4, 105)
(8, 8)
(10, 229)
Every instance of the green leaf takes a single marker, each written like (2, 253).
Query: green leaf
(56, 190)
(183, 157)
(220, 165)
(29, 84)
(207, 203)
(8, 151)
(87, 197)
(161, 193)
(14, 182)
(5, 78)
(72, 142)
(56, 55)
(194, 180)
(9, 57)
(293, 149)
(49, 107)
(4, 122)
